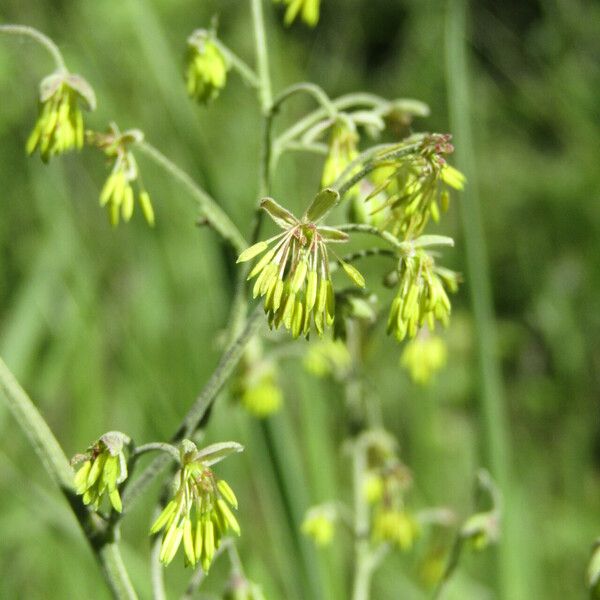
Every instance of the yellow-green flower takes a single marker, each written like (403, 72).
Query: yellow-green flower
(395, 526)
(307, 9)
(199, 514)
(423, 357)
(421, 297)
(103, 468)
(319, 524)
(118, 194)
(60, 127)
(256, 384)
(327, 357)
(481, 529)
(206, 70)
(373, 487)
(261, 394)
(343, 149)
(293, 273)
(416, 187)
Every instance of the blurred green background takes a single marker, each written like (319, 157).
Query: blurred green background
(119, 329)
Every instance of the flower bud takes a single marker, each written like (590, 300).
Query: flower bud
(423, 357)
(318, 524)
(307, 9)
(206, 71)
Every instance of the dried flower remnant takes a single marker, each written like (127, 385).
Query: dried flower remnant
(415, 186)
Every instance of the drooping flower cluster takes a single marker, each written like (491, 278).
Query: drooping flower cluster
(421, 297)
(307, 9)
(199, 514)
(343, 149)
(118, 194)
(59, 126)
(411, 190)
(103, 468)
(293, 274)
(206, 69)
(423, 357)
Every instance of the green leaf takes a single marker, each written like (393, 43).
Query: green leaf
(324, 201)
(283, 217)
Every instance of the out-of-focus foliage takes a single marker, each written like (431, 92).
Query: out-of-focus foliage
(119, 328)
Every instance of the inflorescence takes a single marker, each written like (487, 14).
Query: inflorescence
(199, 514)
(293, 275)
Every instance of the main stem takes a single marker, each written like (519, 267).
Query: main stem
(362, 566)
(46, 446)
(262, 56)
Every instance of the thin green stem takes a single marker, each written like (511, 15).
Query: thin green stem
(341, 103)
(370, 230)
(101, 538)
(245, 71)
(311, 89)
(215, 215)
(368, 253)
(40, 38)
(315, 147)
(235, 561)
(115, 573)
(262, 55)
(197, 411)
(495, 432)
(158, 447)
(36, 429)
(362, 564)
(373, 158)
(156, 569)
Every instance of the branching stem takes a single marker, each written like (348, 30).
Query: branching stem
(198, 410)
(245, 71)
(215, 215)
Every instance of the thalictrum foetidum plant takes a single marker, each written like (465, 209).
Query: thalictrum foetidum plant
(309, 287)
